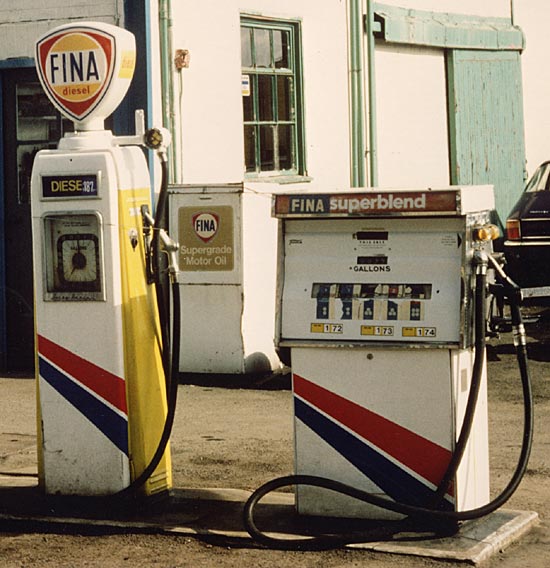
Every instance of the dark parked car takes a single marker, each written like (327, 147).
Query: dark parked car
(527, 244)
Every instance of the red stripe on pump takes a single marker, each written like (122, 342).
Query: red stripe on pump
(427, 459)
(103, 383)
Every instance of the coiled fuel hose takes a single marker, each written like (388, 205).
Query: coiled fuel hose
(433, 513)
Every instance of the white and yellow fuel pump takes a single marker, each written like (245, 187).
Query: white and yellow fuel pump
(99, 347)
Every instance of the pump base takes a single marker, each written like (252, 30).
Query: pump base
(209, 512)
(439, 529)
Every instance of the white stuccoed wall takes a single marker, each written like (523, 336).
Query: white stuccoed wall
(211, 102)
(24, 21)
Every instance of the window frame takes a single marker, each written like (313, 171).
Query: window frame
(295, 120)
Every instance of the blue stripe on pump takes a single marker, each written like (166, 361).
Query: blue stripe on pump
(393, 480)
(111, 424)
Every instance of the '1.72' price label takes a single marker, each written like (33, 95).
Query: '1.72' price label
(327, 328)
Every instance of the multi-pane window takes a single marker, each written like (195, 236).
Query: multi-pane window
(271, 89)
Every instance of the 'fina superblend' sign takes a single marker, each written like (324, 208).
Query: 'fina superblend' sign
(364, 204)
(76, 67)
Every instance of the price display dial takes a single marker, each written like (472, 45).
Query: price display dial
(73, 256)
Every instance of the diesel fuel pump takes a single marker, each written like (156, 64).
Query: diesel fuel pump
(102, 404)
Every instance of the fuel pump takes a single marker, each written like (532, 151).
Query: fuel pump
(382, 317)
(103, 417)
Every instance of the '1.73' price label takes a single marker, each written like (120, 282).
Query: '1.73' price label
(377, 330)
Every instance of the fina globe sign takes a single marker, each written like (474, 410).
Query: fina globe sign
(86, 69)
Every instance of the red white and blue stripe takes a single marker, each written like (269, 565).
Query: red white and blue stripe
(404, 465)
(97, 394)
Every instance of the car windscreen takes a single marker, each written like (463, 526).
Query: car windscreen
(540, 179)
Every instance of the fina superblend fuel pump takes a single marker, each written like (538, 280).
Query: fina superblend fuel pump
(381, 316)
(101, 386)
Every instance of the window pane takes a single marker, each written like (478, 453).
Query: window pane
(265, 97)
(35, 114)
(250, 148)
(280, 49)
(267, 154)
(246, 47)
(262, 47)
(271, 105)
(248, 101)
(284, 98)
(286, 147)
(67, 125)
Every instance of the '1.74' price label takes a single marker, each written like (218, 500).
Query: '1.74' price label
(419, 332)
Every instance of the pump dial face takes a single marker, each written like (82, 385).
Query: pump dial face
(78, 261)
(73, 257)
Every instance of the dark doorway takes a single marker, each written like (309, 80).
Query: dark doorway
(30, 124)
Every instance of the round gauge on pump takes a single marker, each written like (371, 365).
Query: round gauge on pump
(73, 257)
(78, 261)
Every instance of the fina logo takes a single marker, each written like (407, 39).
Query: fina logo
(206, 226)
(76, 67)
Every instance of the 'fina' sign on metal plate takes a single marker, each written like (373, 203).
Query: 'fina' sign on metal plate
(368, 203)
(84, 68)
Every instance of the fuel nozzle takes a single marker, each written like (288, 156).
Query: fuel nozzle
(167, 245)
(170, 247)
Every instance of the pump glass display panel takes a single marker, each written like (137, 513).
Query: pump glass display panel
(73, 255)
(376, 280)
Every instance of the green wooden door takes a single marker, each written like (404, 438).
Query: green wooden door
(486, 139)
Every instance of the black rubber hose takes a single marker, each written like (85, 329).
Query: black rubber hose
(170, 349)
(160, 285)
(386, 503)
(172, 400)
(473, 396)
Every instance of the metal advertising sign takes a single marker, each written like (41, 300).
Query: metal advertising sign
(86, 69)
(380, 203)
(206, 238)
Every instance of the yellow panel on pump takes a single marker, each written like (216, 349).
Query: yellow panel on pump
(146, 387)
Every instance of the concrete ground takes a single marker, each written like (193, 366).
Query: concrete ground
(226, 442)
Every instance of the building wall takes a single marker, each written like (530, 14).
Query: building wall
(533, 17)
(412, 117)
(20, 25)
(208, 94)
(209, 28)
(411, 101)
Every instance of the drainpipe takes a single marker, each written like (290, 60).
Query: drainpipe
(373, 144)
(357, 94)
(168, 113)
(149, 80)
